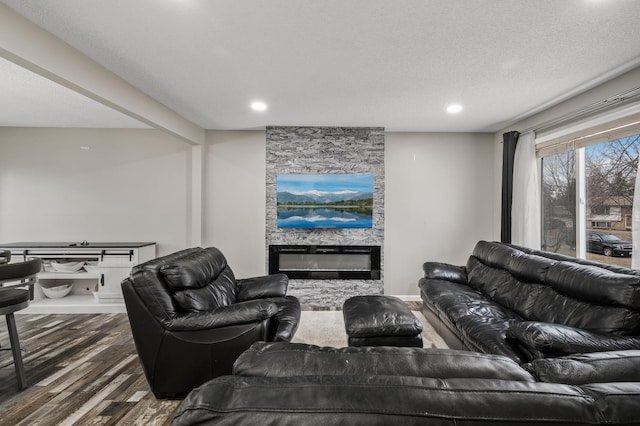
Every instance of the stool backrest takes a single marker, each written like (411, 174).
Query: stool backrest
(19, 271)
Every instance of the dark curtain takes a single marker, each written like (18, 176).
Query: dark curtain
(509, 142)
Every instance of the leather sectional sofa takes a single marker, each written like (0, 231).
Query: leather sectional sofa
(528, 304)
(298, 384)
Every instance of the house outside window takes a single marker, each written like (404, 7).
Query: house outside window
(605, 174)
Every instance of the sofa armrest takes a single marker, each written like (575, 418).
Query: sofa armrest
(445, 271)
(594, 367)
(262, 287)
(557, 340)
(238, 313)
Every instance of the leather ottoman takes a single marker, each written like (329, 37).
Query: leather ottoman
(378, 320)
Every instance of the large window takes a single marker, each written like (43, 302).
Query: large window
(587, 196)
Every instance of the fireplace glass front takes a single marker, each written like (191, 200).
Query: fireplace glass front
(325, 262)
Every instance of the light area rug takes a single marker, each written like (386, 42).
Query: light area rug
(326, 328)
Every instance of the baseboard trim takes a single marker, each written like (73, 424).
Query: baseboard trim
(408, 297)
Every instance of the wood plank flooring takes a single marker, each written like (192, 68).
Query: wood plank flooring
(81, 370)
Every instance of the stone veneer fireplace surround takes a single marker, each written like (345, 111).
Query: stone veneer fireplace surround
(318, 150)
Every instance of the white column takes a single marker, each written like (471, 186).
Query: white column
(196, 198)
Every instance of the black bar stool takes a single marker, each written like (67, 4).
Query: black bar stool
(14, 277)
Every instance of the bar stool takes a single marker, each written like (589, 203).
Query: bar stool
(14, 297)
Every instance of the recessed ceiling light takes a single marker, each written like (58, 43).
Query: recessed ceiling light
(258, 106)
(454, 108)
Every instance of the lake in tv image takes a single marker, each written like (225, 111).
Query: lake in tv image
(325, 200)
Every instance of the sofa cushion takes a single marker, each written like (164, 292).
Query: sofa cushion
(595, 285)
(455, 301)
(480, 322)
(555, 307)
(524, 266)
(493, 254)
(530, 268)
(503, 288)
(486, 279)
(556, 339)
(596, 367)
(300, 359)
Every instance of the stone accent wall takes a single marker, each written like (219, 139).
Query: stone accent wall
(327, 150)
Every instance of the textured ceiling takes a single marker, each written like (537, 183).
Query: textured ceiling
(394, 64)
(29, 100)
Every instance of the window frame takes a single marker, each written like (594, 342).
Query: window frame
(576, 136)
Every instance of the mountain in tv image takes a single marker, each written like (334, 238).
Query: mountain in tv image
(324, 200)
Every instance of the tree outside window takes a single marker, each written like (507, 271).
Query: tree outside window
(610, 174)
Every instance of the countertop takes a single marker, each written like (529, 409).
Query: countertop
(81, 244)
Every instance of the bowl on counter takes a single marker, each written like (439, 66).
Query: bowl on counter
(66, 266)
(56, 292)
(92, 269)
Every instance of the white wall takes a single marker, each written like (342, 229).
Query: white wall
(438, 201)
(130, 186)
(236, 199)
(133, 184)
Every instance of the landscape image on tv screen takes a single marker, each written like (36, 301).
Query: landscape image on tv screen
(325, 200)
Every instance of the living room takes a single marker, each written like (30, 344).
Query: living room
(143, 174)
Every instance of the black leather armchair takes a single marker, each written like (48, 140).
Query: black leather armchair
(191, 318)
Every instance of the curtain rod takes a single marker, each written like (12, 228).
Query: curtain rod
(603, 105)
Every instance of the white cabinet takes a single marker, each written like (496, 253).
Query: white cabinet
(97, 291)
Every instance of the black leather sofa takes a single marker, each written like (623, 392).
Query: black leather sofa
(190, 318)
(521, 369)
(528, 304)
(297, 384)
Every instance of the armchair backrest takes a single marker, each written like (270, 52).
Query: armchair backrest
(189, 280)
(149, 285)
(201, 281)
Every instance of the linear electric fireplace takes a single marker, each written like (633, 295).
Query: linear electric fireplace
(325, 262)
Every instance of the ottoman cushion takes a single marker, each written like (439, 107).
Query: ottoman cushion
(380, 320)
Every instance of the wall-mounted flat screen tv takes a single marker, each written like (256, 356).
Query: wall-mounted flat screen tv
(325, 200)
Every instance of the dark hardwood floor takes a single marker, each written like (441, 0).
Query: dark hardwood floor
(84, 370)
(81, 370)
